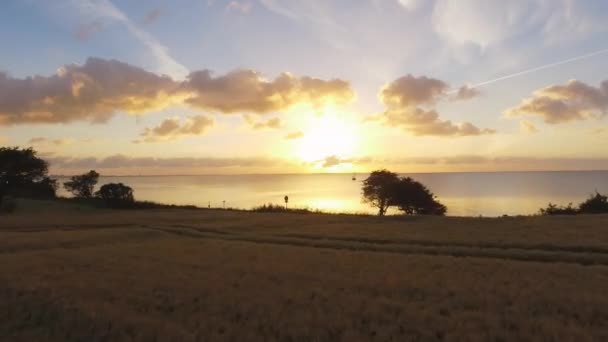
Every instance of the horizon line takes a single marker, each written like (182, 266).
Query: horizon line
(331, 173)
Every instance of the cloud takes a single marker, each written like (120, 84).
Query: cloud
(243, 7)
(572, 101)
(465, 92)
(294, 135)
(411, 5)
(333, 160)
(471, 162)
(120, 161)
(84, 31)
(484, 23)
(105, 10)
(522, 163)
(91, 92)
(411, 91)
(100, 88)
(152, 16)
(247, 91)
(272, 123)
(527, 126)
(598, 131)
(48, 141)
(174, 128)
(407, 101)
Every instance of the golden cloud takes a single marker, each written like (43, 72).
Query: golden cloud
(246, 91)
(272, 123)
(527, 126)
(49, 141)
(294, 135)
(174, 128)
(98, 89)
(572, 101)
(91, 92)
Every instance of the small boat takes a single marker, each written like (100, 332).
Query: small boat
(354, 177)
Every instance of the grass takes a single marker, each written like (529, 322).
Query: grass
(203, 275)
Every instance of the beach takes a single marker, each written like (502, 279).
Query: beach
(70, 274)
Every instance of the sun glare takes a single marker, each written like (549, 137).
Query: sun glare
(327, 135)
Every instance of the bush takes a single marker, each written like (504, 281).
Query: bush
(116, 195)
(8, 205)
(277, 208)
(595, 204)
(554, 209)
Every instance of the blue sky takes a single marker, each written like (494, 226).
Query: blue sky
(371, 45)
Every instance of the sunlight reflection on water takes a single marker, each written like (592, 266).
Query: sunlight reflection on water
(465, 194)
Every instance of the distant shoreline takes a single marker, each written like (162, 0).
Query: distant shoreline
(342, 173)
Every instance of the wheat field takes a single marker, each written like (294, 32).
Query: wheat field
(214, 275)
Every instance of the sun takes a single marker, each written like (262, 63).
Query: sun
(327, 135)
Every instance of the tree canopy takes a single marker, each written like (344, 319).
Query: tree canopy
(383, 189)
(378, 189)
(81, 186)
(24, 174)
(413, 198)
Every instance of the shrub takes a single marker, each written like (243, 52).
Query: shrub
(116, 194)
(9, 205)
(553, 209)
(277, 208)
(595, 204)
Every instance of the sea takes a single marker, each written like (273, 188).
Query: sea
(464, 194)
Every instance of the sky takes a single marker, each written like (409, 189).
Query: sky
(153, 87)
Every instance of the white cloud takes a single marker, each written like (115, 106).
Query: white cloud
(106, 10)
(487, 22)
(411, 5)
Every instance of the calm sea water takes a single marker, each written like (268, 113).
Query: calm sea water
(465, 194)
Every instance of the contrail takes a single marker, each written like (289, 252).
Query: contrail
(105, 9)
(528, 71)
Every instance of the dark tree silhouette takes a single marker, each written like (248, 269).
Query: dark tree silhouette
(596, 204)
(383, 189)
(378, 189)
(116, 194)
(413, 198)
(23, 174)
(82, 186)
